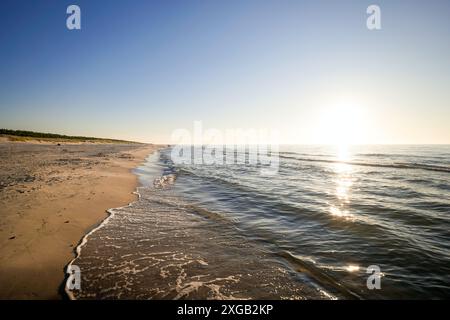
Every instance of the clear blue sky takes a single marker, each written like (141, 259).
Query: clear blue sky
(140, 69)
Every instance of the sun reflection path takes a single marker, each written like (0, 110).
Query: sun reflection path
(344, 181)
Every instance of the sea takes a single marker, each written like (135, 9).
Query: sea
(363, 222)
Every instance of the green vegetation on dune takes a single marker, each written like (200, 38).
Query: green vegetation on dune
(23, 135)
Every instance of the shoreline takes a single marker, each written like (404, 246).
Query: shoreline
(66, 293)
(155, 248)
(53, 195)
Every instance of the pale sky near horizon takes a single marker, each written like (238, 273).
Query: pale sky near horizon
(310, 70)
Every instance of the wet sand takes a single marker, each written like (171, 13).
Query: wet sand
(51, 195)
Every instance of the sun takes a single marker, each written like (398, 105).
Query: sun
(341, 125)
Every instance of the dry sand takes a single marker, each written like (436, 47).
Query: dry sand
(50, 196)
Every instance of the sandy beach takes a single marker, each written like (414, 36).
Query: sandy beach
(52, 194)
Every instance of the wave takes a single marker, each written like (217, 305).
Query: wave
(396, 224)
(397, 165)
(318, 274)
(84, 241)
